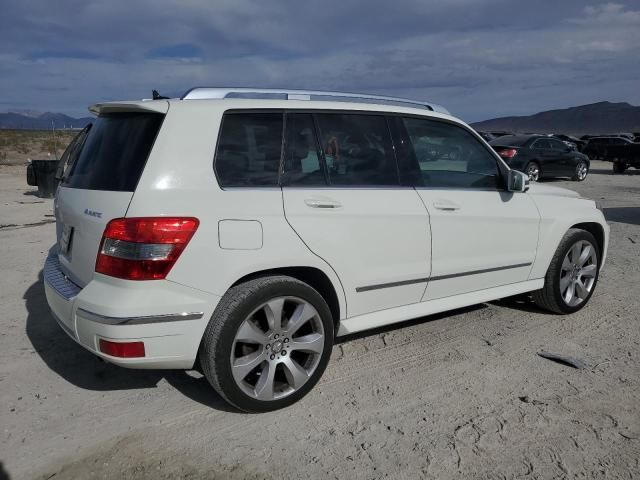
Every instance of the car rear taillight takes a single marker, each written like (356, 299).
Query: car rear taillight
(143, 248)
(508, 153)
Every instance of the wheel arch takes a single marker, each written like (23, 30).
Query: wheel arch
(597, 231)
(312, 276)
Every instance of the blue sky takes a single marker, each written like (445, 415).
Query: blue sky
(479, 58)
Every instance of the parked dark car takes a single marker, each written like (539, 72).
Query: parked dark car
(487, 136)
(541, 157)
(500, 133)
(580, 144)
(624, 156)
(598, 147)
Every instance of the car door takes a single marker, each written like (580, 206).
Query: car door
(482, 236)
(564, 158)
(601, 147)
(343, 198)
(546, 156)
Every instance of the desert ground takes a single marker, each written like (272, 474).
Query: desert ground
(457, 395)
(19, 146)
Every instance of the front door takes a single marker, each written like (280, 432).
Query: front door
(342, 197)
(482, 235)
(564, 158)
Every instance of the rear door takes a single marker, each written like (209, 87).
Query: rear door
(343, 198)
(99, 185)
(482, 235)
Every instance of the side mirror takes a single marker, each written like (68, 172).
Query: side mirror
(517, 181)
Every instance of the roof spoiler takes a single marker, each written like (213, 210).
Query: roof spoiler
(160, 106)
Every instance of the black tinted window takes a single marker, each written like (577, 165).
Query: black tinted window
(303, 165)
(115, 152)
(450, 156)
(357, 149)
(557, 145)
(542, 143)
(249, 148)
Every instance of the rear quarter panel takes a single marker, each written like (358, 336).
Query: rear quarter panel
(179, 180)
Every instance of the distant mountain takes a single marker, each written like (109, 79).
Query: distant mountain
(601, 117)
(40, 121)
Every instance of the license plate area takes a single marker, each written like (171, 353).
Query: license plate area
(66, 238)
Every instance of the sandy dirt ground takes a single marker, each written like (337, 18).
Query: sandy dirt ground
(19, 146)
(457, 395)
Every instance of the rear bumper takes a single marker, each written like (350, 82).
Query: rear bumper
(168, 317)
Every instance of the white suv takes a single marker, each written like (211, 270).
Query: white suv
(245, 234)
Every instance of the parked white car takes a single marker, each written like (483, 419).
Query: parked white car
(246, 234)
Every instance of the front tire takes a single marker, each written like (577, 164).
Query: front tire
(581, 171)
(267, 343)
(572, 275)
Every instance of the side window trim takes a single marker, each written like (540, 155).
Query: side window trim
(393, 150)
(406, 160)
(284, 181)
(323, 160)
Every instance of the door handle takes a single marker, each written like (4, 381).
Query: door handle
(322, 203)
(446, 206)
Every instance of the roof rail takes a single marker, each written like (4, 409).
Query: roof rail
(200, 93)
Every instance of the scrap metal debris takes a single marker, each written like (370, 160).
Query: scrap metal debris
(563, 360)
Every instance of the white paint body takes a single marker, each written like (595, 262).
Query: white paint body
(374, 236)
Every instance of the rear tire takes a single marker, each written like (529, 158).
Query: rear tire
(566, 270)
(533, 171)
(619, 167)
(254, 356)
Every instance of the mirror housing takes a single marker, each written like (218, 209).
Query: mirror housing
(517, 181)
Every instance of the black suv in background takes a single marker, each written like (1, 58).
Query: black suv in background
(598, 147)
(541, 157)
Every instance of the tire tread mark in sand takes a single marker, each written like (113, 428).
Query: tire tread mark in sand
(14, 226)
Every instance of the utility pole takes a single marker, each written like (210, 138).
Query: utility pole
(55, 140)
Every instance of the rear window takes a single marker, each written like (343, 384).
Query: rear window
(115, 152)
(249, 150)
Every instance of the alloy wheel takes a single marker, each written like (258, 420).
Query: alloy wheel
(277, 348)
(578, 273)
(581, 171)
(533, 171)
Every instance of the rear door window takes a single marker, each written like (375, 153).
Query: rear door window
(542, 144)
(115, 152)
(449, 156)
(249, 150)
(357, 149)
(557, 145)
